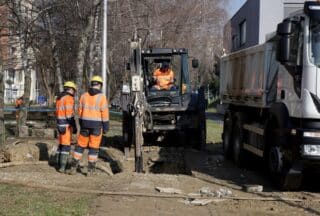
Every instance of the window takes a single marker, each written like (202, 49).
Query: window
(243, 32)
(234, 42)
(11, 73)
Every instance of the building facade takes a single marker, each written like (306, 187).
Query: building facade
(254, 20)
(12, 58)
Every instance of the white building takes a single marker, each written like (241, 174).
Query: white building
(14, 76)
(254, 20)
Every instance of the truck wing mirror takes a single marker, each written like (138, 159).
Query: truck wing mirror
(195, 63)
(288, 32)
(283, 52)
(284, 28)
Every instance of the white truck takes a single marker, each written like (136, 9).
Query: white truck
(272, 98)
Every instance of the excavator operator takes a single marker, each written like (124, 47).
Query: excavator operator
(163, 78)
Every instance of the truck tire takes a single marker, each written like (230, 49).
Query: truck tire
(227, 135)
(284, 174)
(238, 152)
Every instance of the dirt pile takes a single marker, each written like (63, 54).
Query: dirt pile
(26, 150)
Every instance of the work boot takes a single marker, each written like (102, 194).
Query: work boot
(91, 168)
(63, 162)
(73, 167)
(57, 160)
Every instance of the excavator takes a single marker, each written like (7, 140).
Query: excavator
(150, 112)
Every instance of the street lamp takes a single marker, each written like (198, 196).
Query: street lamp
(104, 47)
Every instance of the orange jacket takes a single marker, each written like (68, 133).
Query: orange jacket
(65, 110)
(165, 79)
(19, 102)
(93, 110)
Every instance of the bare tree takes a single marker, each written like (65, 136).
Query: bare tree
(65, 36)
(2, 126)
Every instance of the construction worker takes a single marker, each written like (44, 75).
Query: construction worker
(66, 124)
(94, 123)
(19, 104)
(163, 77)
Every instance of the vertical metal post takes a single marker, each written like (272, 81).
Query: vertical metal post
(104, 47)
(208, 94)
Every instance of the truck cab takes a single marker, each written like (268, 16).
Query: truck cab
(299, 74)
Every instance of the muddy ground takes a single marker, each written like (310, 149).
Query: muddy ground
(184, 169)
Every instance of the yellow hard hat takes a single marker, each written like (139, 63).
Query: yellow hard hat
(70, 84)
(96, 79)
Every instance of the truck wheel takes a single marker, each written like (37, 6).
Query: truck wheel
(237, 150)
(285, 175)
(275, 160)
(227, 135)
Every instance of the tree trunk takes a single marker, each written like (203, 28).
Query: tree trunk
(2, 126)
(55, 54)
(27, 84)
(84, 42)
(93, 41)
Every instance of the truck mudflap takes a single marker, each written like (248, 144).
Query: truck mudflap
(292, 179)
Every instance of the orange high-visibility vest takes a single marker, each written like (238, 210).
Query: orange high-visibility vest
(19, 102)
(165, 79)
(65, 110)
(93, 110)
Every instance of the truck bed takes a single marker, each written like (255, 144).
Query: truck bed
(249, 77)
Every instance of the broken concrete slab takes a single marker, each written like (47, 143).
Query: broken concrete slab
(23, 131)
(22, 152)
(200, 202)
(49, 133)
(222, 192)
(37, 132)
(169, 190)
(252, 188)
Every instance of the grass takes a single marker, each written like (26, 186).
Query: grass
(16, 200)
(214, 131)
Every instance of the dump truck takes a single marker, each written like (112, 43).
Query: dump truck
(154, 114)
(271, 93)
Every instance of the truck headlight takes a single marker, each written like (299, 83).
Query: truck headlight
(311, 134)
(311, 150)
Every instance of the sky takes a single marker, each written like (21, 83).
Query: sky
(234, 6)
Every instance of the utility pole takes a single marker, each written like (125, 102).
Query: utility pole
(104, 47)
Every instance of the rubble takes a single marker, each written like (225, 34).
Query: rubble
(252, 188)
(222, 192)
(169, 190)
(22, 152)
(200, 202)
(23, 131)
(45, 133)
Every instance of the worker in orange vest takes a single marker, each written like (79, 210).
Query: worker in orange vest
(19, 104)
(94, 123)
(163, 77)
(66, 124)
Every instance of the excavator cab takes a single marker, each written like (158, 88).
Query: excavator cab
(166, 62)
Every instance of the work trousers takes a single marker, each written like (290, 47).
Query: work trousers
(88, 138)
